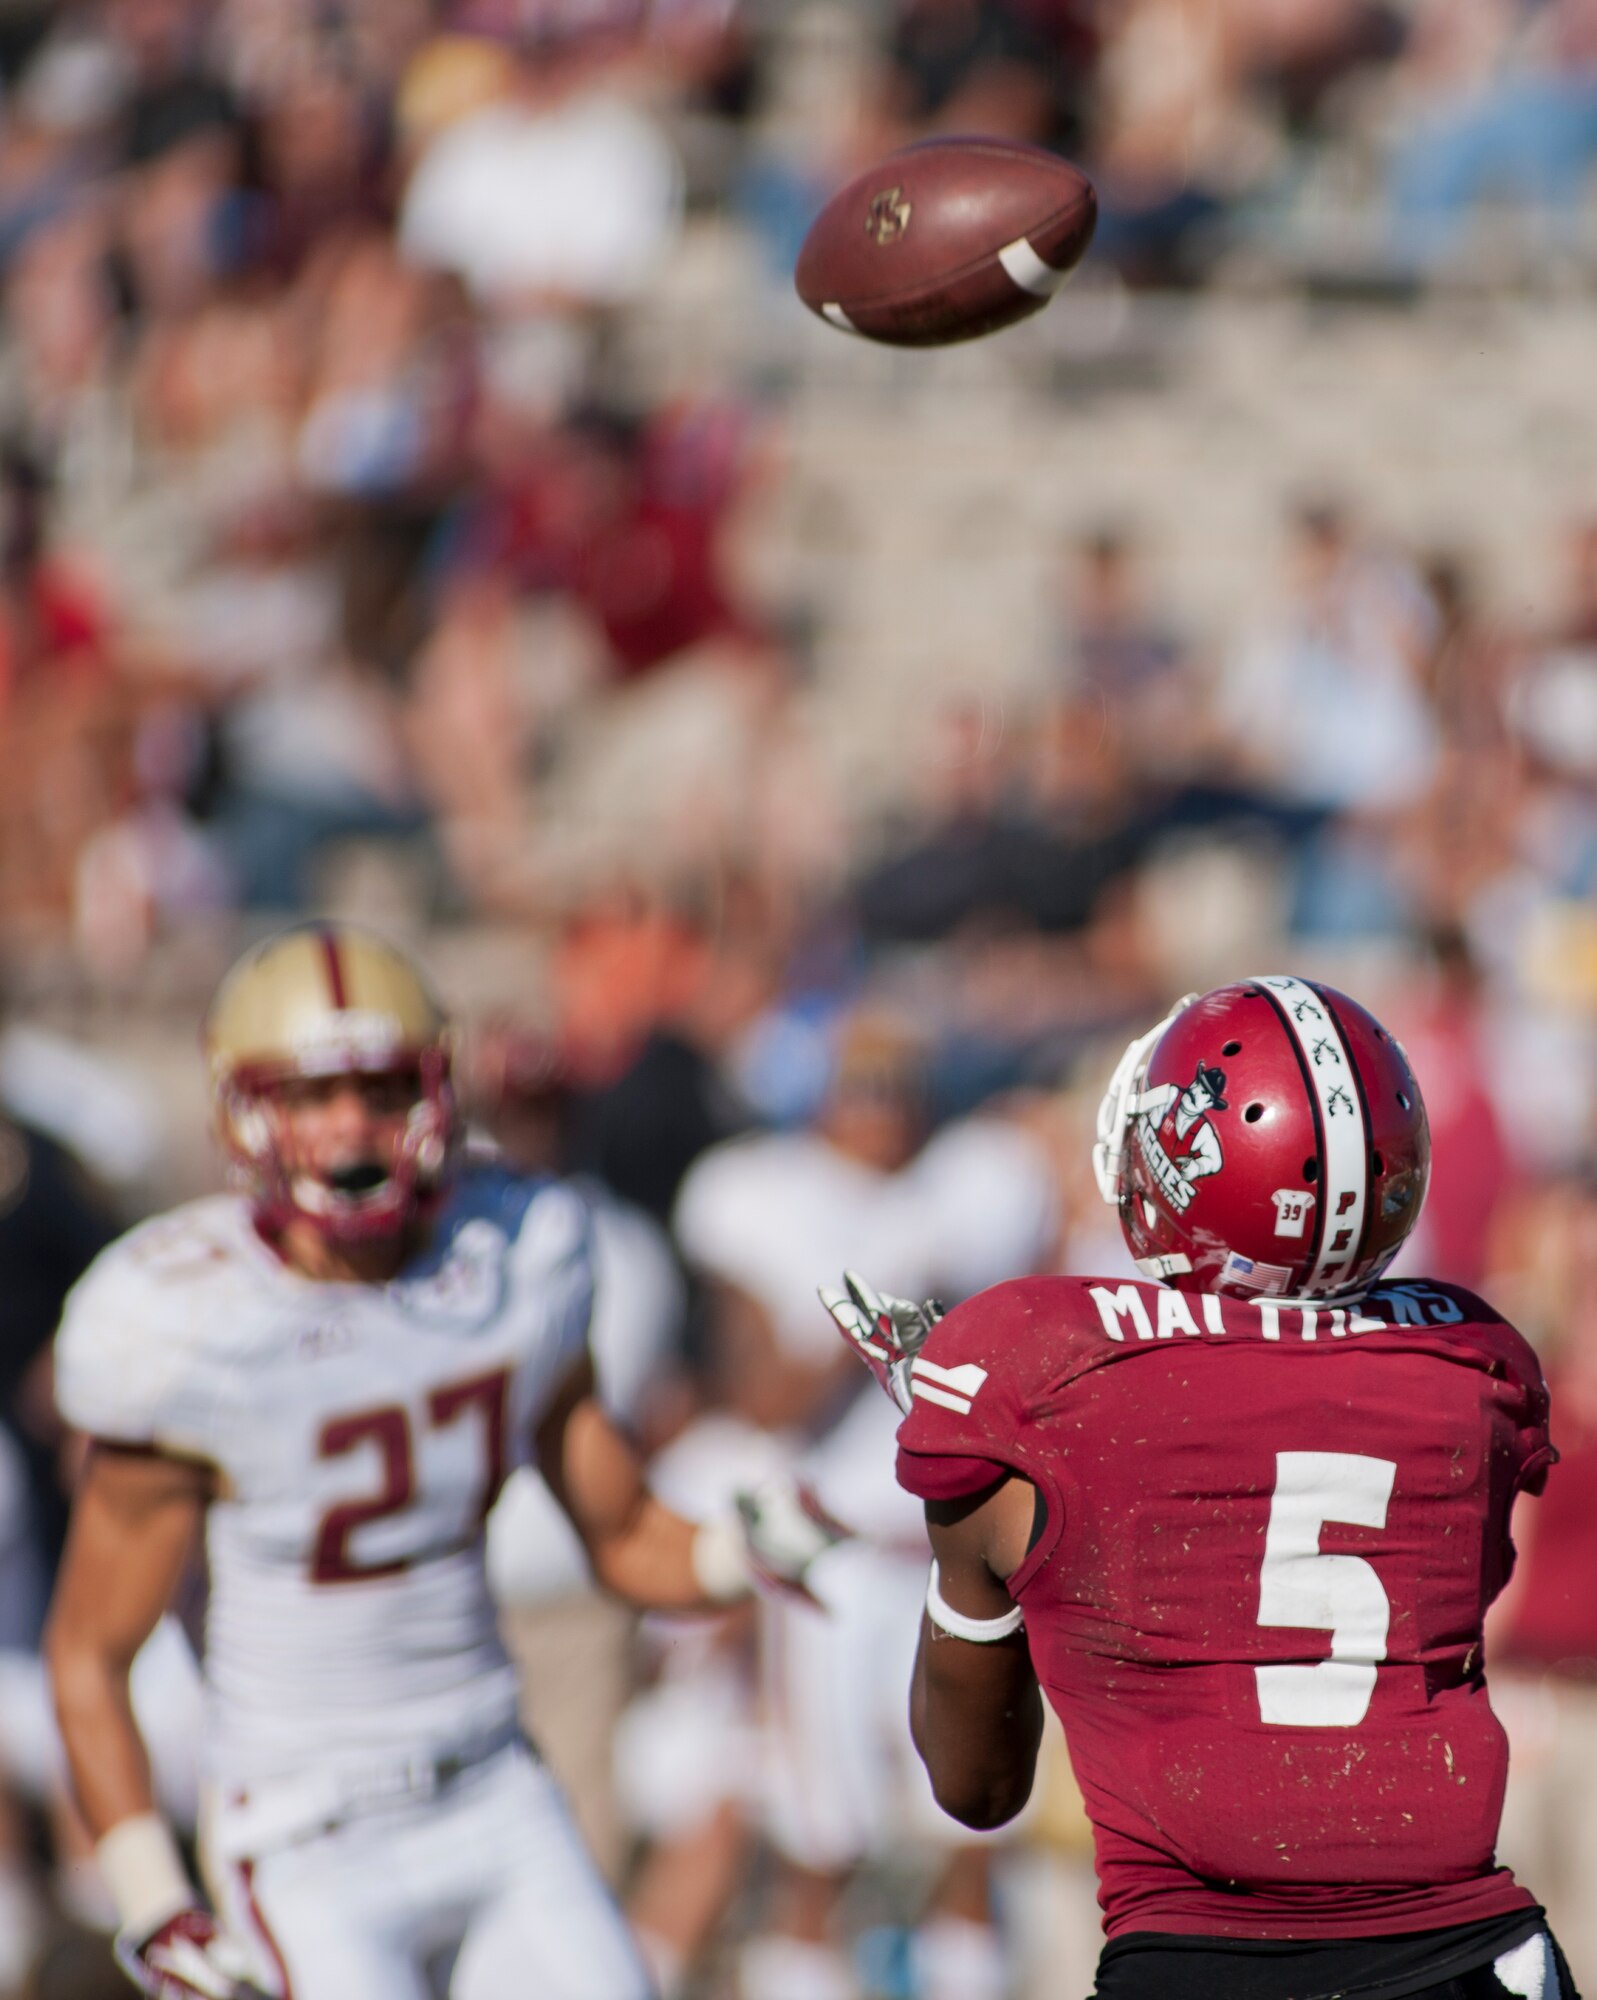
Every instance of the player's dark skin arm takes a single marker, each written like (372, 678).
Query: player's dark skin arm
(975, 1710)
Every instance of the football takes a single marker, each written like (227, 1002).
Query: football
(947, 240)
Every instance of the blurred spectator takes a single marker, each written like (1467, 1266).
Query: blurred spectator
(966, 857)
(1174, 134)
(631, 519)
(318, 144)
(1116, 649)
(649, 998)
(1002, 843)
(52, 1225)
(65, 722)
(560, 192)
(390, 384)
(311, 762)
(1546, 1633)
(970, 66)
(754, 1219)
(1324, 704)
(1502, 105)
(1443, 1032)
(54, 630)
(1323, 708)
(1553, 702)
(1470, 664)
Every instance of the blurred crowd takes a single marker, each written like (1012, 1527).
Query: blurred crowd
(343, 560)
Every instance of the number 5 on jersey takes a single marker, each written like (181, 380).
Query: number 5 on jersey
(1299, 1586)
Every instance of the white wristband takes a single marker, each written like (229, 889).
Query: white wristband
(144, 1873)
(721, 1560)
(980, 1631)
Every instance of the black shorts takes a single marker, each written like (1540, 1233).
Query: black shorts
(1453, 1964)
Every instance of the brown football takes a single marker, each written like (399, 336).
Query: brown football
(946, 240)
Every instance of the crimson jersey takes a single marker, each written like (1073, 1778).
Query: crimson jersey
(1272, 1533)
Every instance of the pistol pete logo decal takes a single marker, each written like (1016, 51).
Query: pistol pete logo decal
(1176, 1135)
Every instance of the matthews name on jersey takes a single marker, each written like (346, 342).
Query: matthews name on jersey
(1256, 1600)
(359, 1435)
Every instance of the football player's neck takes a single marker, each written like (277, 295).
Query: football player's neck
(310, 1251)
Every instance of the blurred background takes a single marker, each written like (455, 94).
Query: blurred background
(803, 766)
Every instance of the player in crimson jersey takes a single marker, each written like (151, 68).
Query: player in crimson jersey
(1240, 1524)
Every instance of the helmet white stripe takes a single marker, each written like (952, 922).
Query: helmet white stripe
(1344, 1190)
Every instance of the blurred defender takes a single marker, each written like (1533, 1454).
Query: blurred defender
(331, 1374)
(1242, 1524)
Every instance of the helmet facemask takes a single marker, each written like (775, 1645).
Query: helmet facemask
(326, 1002)
(357, 1203)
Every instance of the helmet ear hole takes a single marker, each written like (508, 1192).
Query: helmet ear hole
(1311, 1170)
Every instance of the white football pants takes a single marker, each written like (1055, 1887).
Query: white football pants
(483, 1891)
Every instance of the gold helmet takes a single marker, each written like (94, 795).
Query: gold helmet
(328, 1000)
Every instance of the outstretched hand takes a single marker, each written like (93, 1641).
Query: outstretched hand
(785, 1532)
(885, 1331)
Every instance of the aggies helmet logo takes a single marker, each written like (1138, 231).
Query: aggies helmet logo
(1176, 1137)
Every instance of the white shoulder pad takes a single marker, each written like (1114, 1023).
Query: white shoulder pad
(133, 1358)
(552, 1264)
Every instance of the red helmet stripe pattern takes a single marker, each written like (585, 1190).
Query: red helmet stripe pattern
(1343, 1122)
(337, 992)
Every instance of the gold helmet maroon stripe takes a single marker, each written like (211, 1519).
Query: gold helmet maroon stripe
(317, 1000)
(337, 992)
(326, 1000)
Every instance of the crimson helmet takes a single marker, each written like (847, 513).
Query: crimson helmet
(1269, 1139)
(328, 1000)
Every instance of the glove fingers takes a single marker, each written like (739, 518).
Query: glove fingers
(855, 1325)
(850, 1317)
(864, 1298)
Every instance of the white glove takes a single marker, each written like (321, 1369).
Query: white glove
(775, 1537)
(189, 1957)
(785, 1531)
(886, 1332)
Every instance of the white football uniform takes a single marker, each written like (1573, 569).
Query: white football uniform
(778, 1215)
(359, 1698)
